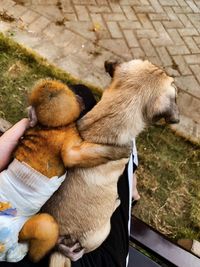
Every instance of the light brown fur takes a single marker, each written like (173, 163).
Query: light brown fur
(138, 95)
(46, 149)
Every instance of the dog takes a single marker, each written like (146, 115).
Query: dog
(140, 94)
(39, 167)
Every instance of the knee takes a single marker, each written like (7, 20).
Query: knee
(46, 226)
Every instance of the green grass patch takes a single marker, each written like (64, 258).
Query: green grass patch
(19, 70)
(169, 172)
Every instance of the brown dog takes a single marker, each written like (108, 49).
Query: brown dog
(140, 94)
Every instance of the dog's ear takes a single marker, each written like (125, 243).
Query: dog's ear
(110, 67)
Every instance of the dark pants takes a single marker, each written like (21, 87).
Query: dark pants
(113, 252)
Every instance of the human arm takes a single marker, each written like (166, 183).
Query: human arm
(9, 140)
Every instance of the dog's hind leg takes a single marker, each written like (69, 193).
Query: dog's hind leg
(41, 231)
(57, 259)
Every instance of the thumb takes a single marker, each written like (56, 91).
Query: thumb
(9, 140)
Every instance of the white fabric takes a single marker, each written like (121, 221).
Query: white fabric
(133, 158)
(26, 190)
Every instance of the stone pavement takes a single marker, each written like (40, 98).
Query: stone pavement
(79, 35)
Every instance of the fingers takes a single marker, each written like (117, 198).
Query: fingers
(15, 132)
(9, 140)
(74, 253)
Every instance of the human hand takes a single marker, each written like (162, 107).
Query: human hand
(10, 139)
(74, 252)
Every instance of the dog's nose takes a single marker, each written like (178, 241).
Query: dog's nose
(172, 120)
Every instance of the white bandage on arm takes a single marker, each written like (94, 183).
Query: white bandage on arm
(26, 190)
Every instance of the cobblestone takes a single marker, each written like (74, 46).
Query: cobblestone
(79, 35)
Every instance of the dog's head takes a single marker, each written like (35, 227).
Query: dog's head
(155, 89)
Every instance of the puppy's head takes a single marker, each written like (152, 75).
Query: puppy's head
(54, 104)
(149, 84)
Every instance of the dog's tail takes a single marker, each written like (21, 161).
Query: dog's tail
(58, 260)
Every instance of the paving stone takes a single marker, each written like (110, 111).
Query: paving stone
(192, 59)
(17, 11)
(164, 56)
(196, 71)
(116, 8)
(178, 49)
(193, 6)
(48, 50)
(39, 24)
(51, 12)
(67, 7)
(70, 17)
(97, 19)
(146, 23)
(181, 65)
(114, 17)
(29, 40)
(114, 29)
(161, 16)
(188, 129)
(138, 53)
(164, 38)
(130, 25)
(168, 2)
(85, 2)
(197, 39)
(148, 47)
(172, 24)
(156, 6)
(182, 3)
(85, 29)
(166, 32)
(117, 46)
(6, 4)
(188, 32)
(131, 38)
(175, 36)
(189, 105)
(99, 9)
(52, 31)
(82, 13)
(181, 10)
(29, 16)
(184, 19)
(191, 44)
(146, 33)
(172, 72)
(155, 60)
(144, 9)
(128, 11)
(188, 84)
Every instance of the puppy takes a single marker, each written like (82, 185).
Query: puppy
(39, 169)
(140, 93)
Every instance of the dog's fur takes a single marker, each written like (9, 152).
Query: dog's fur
(140, 93)
(45, 149)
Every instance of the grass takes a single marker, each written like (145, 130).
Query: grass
(19, 70)
(169, 172)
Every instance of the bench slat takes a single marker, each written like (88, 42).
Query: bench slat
(137, 259)
(148, 238)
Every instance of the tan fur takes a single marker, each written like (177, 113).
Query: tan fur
(139, 93)
(48, 147)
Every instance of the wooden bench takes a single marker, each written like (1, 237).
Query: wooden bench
(157, 245)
